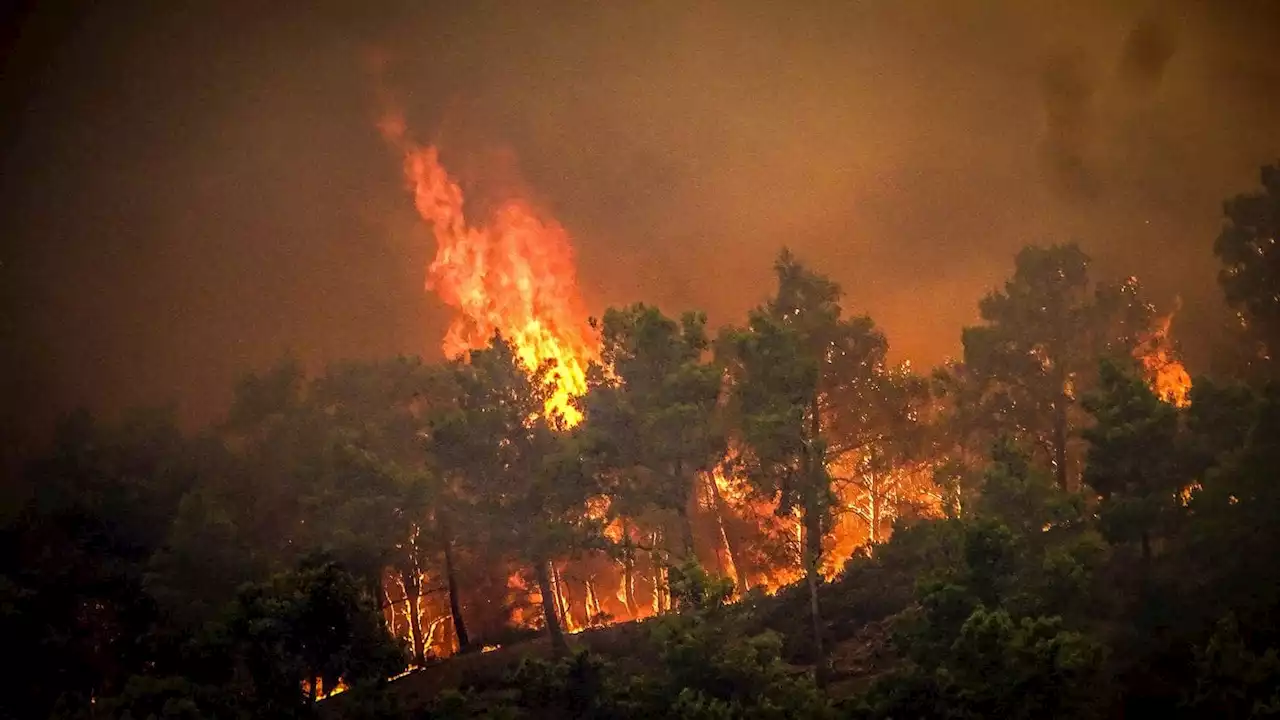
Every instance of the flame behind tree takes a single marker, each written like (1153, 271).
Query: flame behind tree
(1036, 351)
(514, 275)
(799, 370)
(1165, 374)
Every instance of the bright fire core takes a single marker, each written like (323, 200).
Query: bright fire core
(513, 275)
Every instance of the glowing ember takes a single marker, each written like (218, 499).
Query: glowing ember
(323, 691)
(514, 275)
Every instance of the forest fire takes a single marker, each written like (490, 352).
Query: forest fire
(513, 275)
(321, 407)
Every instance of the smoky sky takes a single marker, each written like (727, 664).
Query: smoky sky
(190, 190)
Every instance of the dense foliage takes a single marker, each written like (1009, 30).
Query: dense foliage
(1067, 539)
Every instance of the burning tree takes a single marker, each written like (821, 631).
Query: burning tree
(1037, 350)
(1134, 459)
(890, 469)
(800, 374)
(513, 457)
(652, 414)
(345, 451)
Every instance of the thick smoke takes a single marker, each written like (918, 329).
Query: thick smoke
(1148, 48)
(1085, 107)
(189, 191)
(1069, 117)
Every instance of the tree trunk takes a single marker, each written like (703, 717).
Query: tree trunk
(735, 558)
(564, 601)
(873, 524)
(686, 536)
(448, 638)
(686, 521)
(812, 555)
(1060, 439)
(628, 571)
(1146, 550)
(413, 591)
(656, 562)
(455, 603)
(388, 604)
(558, 644)
(816, 489)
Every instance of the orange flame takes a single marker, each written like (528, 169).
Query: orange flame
(514, 275)
(1165, 373)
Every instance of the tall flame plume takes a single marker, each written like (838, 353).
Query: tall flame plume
(1165, 373)
(513, 275)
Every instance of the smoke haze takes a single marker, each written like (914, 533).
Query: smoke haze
(191, 190)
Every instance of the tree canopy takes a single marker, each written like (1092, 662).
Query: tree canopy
(807, 526)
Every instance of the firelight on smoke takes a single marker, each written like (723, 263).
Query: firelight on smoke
(513, 274)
